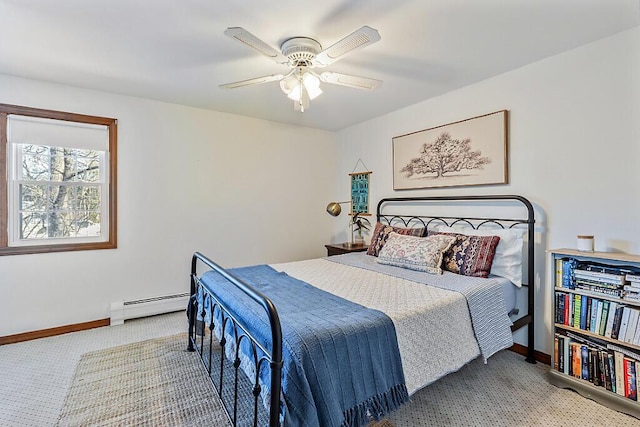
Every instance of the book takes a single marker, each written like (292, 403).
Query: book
(560, 310)
(632, 287)
(560, 352)
(632, 325)
(612, 371)
(591, 313)
(615, 279)
(568, 310)
(620, 380)
(568, 266)
(558, 272)
(576, 362)
(636, 337)
(602, 290)
(606, 370)
(589, 281)
(556, 352)
(616, 322)
(577, 303)
(603, 318)
(595, 328)
(630, 391)
(584, 362)
(624, 350)
(613, 306)
(633, 277)
(566, 355)
(583, 312)
(624, 323)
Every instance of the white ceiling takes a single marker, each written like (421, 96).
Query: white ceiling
(175, 51)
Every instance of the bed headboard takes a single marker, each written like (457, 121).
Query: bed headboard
(426, 211)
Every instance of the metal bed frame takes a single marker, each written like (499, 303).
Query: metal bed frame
(271, 358)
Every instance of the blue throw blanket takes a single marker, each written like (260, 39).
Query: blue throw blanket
(341, 360)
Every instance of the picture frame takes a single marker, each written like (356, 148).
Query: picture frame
(476, 153)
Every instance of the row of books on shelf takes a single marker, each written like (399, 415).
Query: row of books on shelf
(601, 317)
(612, 281)
(604, 365)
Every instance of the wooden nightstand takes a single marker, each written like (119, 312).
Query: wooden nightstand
(344, 248)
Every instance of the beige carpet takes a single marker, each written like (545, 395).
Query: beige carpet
(143, 384)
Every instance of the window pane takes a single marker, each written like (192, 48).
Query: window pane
(61, 198)
(33, 197)
(88, 168)
(88, 224)
(35, 167)
(33, 225)
(89, 198)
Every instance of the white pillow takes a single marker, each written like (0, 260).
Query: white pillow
(507, 261)
(415, 253)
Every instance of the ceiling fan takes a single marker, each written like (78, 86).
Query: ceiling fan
(303, 55)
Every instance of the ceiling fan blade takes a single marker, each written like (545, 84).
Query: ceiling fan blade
(255, 81)
(244, 36)
(354, 41)
(350, 81)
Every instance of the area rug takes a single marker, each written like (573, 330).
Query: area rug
(149, 383)
(142, 384)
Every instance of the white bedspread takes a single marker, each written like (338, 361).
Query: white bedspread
(433, 325)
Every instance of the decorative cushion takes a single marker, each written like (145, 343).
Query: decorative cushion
(469, 255)
(415, 253)
(507, 261)
(381, 234)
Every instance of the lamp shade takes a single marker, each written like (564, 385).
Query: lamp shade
(334, 209)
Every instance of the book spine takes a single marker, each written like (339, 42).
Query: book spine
(584, 360)
(583, 312)
(616, 322)
(577, 302)
(603, 318)
(568, 266)
(576, 353)
(626, 312)
(606, 369)
(610, 317)
(620, 381)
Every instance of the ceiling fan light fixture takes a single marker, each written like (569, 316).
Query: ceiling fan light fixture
(301, 87)
(312, 85)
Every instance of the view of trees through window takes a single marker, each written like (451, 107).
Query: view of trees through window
(59, 192)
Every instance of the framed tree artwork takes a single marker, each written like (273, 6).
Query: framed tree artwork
(467, 152)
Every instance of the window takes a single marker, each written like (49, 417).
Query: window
(57, 181)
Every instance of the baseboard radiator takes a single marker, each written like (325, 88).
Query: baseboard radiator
(125, 310)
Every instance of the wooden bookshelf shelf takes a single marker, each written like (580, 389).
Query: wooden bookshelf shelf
(597, 366)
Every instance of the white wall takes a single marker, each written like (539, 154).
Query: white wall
(574, 145)
(240, 190)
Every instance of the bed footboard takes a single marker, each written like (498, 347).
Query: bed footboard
(212, 351)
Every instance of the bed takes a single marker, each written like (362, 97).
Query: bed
(361, 332)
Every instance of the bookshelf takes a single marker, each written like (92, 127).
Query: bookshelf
(596, 326)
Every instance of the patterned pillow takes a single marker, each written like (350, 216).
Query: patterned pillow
(469, 255)
(381, 234)
(415, 253)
